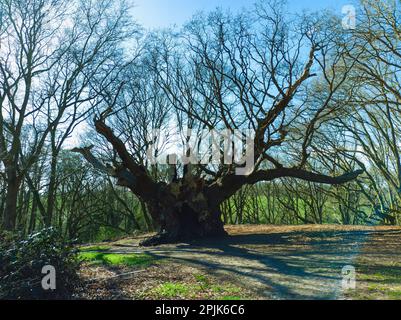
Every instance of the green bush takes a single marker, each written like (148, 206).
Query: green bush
(22, 260)
(107, 234)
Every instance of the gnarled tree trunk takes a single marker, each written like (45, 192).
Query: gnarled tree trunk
(185, 210)
(183, 223)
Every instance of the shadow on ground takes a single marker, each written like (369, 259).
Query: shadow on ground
(279, 265)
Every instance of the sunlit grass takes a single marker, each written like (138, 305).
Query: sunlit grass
(231, 298)
(396, 295)
(377, 280)
(172, 290)
(116, 259)
(202, 288)
(95, 248)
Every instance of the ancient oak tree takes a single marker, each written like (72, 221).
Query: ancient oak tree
(256, 71)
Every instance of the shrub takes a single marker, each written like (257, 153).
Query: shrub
(22, 260)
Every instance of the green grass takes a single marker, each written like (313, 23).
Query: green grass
(203, 281)
(95, 248)
(384, 291)
(202, 288)
(172, 290)
(377, 280)
(396, 295)
(376, 287)
(116, 259)
(231, 298)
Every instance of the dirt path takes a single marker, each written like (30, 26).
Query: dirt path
(302, 262)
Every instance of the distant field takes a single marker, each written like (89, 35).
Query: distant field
(255, 261)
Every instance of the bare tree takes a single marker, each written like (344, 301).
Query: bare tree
(243, 72)
(52, 54)
(27, 31)
(371, 120)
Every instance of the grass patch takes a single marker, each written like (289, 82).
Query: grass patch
(116, 259)
(375, 287)
(395, 295)
(95, 248)
(231, 298)
(201, 288)
(377, 280)
(172, 290)
(225, 289)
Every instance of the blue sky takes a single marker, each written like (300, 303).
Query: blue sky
(165, 13)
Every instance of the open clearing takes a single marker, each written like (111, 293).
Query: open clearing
(254, 262)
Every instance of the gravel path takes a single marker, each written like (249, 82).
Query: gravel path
(302, 262)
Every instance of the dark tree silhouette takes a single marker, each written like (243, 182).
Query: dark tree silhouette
(254, 71)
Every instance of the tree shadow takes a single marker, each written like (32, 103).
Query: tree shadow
(281, 262)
